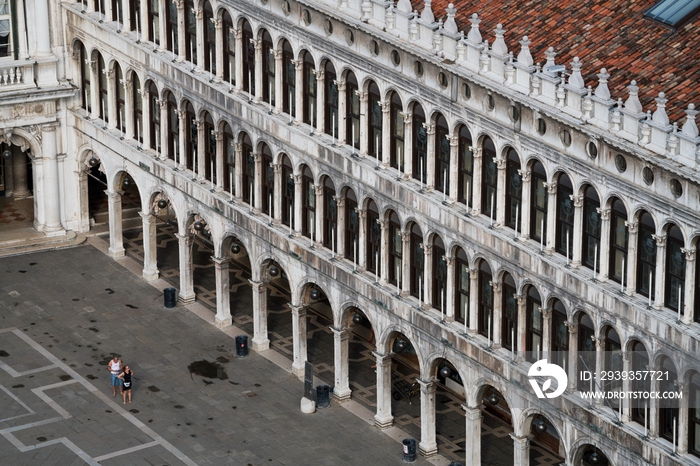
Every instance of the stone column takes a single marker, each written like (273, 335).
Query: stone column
(181, 39)
(220, 163)
(116, 241)
(238, 175)
(342, 390)
(362, 239)
(630, 273)
(146, 116)
(573, 363)
(163, 29)
(408, 146)
(427, 292)
(473, 301)
(320, 100)
(199, 15)
(525, 204)
(127, 119)
(51, 185)
(476, 181)
(141, 22)
(164, 127)
(473, 433)
(20, 185)
(577, 240)
(599, 364)
(497, 314)
(449, 290)
(364, 118)
(689, 287)
(299, 338)
(257, 200)
(187, 294)
(626, 383)
(200, 161)
(223, 292)
(259, 88)
(319, 210)
(384, 253)
(551, 226)
(520, 343)
(546, 332)
(521, 450)
(339, 246)
(182, 136)
(653, 409)
(94, 90)
(428, 443)
(298, 205)
(279, 74)
(238, 67)
(430, 175)
(43, 30)
(219, 52)
(111, 110)
(682, 426)
(261, 340)
(298, 91)
(342, 110)
(277, 196)
(386, 134)
(405, 263)
(150, 246)
(604, 247)
(383, 419)
(453, 172)
(660, 278)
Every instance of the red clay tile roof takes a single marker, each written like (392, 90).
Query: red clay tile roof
(603, 34)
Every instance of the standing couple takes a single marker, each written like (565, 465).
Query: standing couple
(121, 375)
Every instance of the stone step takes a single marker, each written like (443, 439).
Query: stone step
(40, 243)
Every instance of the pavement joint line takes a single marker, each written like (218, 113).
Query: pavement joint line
(78, 378)
(18, 401)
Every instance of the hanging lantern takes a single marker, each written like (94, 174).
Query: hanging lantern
(315, 294)
(445, 372)
(594, 458)
(540, 426)
(198, 225)
(127, 182)
(357, 318)
(274, 271)
(162, 203)
(493, 399)
(400, 345)
(93, 162)
(7, 154)
(235, 248)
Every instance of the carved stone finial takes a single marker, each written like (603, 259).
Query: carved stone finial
(499, 44)
(550, 54)
(404, 6)
(633, 104)
(690, 128)
(450, 24)
(474, 33)
(576, 79)
(602, 90)
(427, 14)
(660, 115)
(524, 57)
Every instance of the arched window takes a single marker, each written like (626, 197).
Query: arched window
(675, 270)
(120, 96)
(640, 362)
(534, 325)
(134, 16)
(154, 22)
(268, 63)
(509, 310)
(439, 265)
(565, 217)
(248, 59)
(85, 78)
(229, 48)
(442, 155)
(209, 38)
(310, 90)
(102, 88)
(330, 214)
(287, 190)
(560, 333)
(173, 127)
(209, 148)
(538, 203)
(288, 79)
(613, 362)
(247, 171)
(190, 32)
(268, 182)
(374, 238)
(117, 12)
(668, 408)
(352, 108)
(514, 191)
(646, 256)
(694, 415)
(352, 227)
(99, 6)
(586, 349)
(462, 287)
(485, 301)
(489, 179)
(308, 225)
(137, 101)
(154, 110)
(398, 150)
(395, 250)
(331, 104)
(590, 245)
(420, 144)
(191, 136)
(229, 160)
(465, 167)
(417, 262)
(374, 121)
(619, 236)
(172, 34)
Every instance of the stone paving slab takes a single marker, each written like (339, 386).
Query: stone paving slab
(77, 307)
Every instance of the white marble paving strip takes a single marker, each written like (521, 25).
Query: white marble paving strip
(126, 451)
(16, 374)
(30, 411)
(39, 392)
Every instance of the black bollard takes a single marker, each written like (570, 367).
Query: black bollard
(409, 450)
(170, 298)
(323, 399)
(242, 346)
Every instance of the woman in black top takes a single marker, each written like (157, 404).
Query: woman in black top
(126, 376)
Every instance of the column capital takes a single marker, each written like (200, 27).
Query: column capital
(604, 213)
(473, 274)
(578, 200)
(219, 261)
(500, 163)
(525, 174)
(454, 139)
(407, 118)
(277, 54)
(342, 333)
(632, 226)
(546, 312)
(689, 254)
(320, 75)
(276, 167)
(385, 105)
(299, 309)
(429, 128)
(217, 22)
(362, 95)
(48, 127)
(660, 240)
(426, 385)
(571, 326)
(318, 189)
(496, 286)
(381, 359)
(551, 187)
(472, 413)
(257, 285)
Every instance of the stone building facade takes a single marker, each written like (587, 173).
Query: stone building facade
(465, 200)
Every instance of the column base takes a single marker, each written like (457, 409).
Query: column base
(223, 322)
(150, 275)
(53, 231)
(187, 298)
(116, 252)
(299, 370)
(428, 450)
(383, 422)
(261, 344)
(342, 394)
